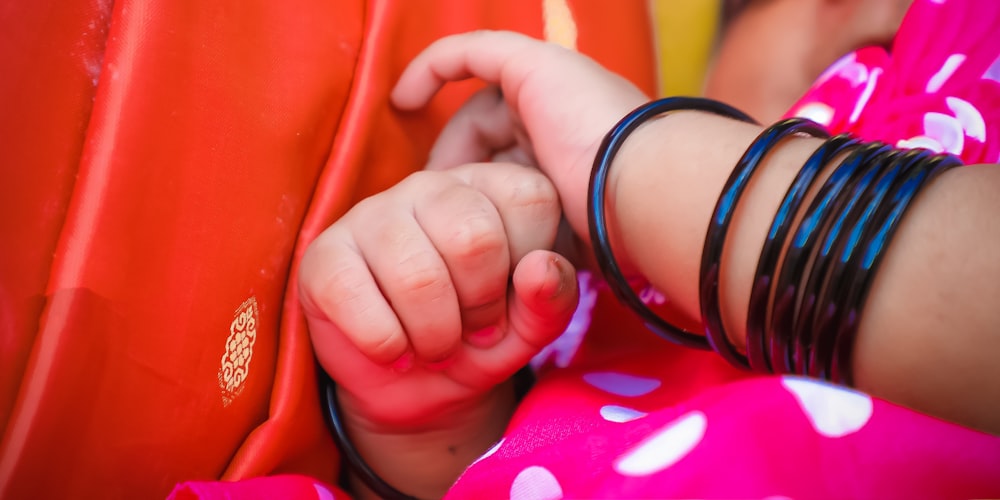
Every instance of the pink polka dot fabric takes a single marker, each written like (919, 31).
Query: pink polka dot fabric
(633, 416)
(288, 486)
(939, 89)
(620, 413)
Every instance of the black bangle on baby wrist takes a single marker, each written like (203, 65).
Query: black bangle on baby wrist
(523, 380)
(808, 293)
(348, 453)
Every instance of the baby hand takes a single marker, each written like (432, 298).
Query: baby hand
(556, 106)
(423, 298)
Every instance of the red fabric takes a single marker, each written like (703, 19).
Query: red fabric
(49, 64)
(163, 166)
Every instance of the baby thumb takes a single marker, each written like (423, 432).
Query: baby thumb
(544, 298)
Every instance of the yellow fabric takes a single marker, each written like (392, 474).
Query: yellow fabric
(685, 33)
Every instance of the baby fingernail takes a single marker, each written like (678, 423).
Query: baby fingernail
(564, 274)
(404, 363)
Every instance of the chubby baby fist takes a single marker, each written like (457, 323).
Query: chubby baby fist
(424, 297)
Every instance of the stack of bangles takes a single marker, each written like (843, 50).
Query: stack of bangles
(815, 294)
(817, 291)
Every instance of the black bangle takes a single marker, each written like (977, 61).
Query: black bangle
(804, 306)
(854, 215)
(599, 237)
(847, 213)
(857, 222)
(921, 168)
(788, 353)
(760, 339)
(718, 227)
(523, 380)
(347, 450)
(863, 169)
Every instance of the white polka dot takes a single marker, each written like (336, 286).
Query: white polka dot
(848, 68)
(489, 452)
(949, 67)
(945, 129)
(665, 447)
(921, 141)
(969, 117)
(650, 295)
(816, 111)
(562, 350)
(993, 72)
(535, 483)
(621, 384)
(322, 492)
(833, 411)
(866, 94)
(620, 414)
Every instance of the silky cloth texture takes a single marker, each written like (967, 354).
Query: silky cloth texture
(617, 412)
(163, 167)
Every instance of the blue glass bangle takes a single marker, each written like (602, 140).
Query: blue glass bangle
(719, 225)
(861, 169)
(857, 220)
(758, 335)
(791, 280)
(599, 236)
(886, 220)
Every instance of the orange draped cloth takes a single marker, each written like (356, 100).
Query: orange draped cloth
(162, 167)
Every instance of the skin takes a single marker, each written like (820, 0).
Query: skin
(423, 395)
(424, 300)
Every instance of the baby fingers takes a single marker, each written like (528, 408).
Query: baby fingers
(413, 278)
(468, 232)
(338, 289)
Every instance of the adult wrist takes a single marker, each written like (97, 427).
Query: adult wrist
(662, 248)
(661, 192)
(664, 207)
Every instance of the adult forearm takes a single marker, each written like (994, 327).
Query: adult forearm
(930, 330)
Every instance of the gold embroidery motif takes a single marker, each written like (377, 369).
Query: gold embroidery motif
(239, 350)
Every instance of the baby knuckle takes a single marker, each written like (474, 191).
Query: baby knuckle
(537, 193)
(421, 276)
(476, 236)
(343, 286)
(383, 346)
